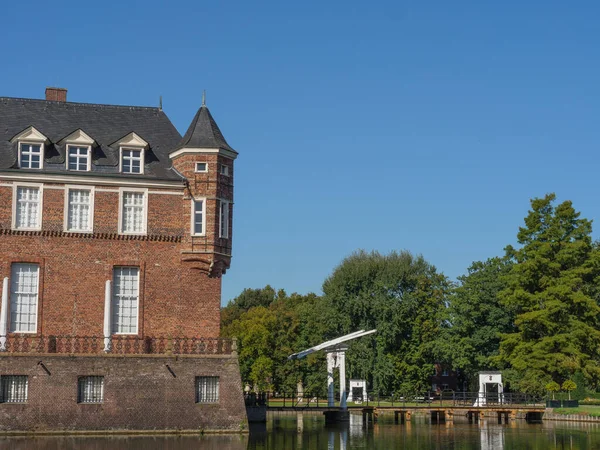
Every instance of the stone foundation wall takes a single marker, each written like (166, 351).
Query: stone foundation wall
(147, 392)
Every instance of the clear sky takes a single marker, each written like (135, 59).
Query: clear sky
(381, 125)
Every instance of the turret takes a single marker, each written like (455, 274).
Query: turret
(205, 159)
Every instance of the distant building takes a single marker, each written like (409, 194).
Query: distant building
(114, 234)
(443, 378)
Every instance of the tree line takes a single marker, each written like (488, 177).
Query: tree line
(532, 313)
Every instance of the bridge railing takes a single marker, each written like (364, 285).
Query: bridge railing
(300, 400)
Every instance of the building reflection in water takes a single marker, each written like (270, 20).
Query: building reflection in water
(492, 437)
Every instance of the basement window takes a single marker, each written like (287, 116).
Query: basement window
(90, 389)
(207, 389)
(13, 388)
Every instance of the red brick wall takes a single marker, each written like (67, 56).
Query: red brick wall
(140, 393)
(180, 294)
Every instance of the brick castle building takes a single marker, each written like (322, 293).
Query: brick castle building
(114, 234)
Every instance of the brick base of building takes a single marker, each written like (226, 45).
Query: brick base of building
(141, 393)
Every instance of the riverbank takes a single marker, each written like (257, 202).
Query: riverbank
(583, 413)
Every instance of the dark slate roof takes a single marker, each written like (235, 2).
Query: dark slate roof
(204, 133)
(106, 124)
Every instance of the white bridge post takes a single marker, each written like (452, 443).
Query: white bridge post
(330, 386)
(342, 366)
(4, 315)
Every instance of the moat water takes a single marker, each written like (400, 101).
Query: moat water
(308, 432)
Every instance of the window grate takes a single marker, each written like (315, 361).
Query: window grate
(91, 389)
(207, 389)
(14, 388)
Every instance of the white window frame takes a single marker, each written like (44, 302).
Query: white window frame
(224, 231)
(142, 158)
(5, 390)
(113, 301)
(122, 191)
(37, 300)
(193, 218)
(41, 144)
(83, 389)
(66, 208)
(200, 171)
(224, 170)
(88, 156)
(16, 187)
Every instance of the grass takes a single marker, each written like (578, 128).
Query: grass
(583, 410)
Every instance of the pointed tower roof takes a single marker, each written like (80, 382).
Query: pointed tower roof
(204, 133)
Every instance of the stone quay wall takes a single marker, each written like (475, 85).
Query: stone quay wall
(140, 393)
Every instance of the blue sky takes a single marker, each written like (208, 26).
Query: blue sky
(415, 125)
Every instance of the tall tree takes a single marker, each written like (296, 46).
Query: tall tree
(476, 319)
(551, 286)
(400, 295)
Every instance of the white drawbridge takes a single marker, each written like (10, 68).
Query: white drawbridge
(336, 359)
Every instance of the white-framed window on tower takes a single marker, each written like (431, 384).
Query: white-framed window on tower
(79, 209)
(24, 291)
(224, 219)
(125, 300)
(198, 216)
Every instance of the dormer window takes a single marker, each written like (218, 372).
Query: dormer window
(132, 150)
(30, 155)
(78, 158)
(132, 160)
(78, 151)
(30, 148)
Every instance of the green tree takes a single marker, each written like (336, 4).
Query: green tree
(553, 387)
(476, 319)
(569, 386)
(270, 326)
(403, 297)
(551, 286)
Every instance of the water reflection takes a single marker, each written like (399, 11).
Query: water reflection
(492, 437)
(308, 432)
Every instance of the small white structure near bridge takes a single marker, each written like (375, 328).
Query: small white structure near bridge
(357, 391)
(490, 388)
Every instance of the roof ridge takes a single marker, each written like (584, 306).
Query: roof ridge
(103, 105)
